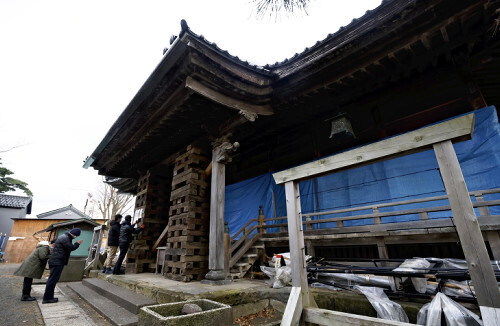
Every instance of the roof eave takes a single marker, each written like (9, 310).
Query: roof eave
(170, 57)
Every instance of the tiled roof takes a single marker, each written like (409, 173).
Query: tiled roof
(53, 213)
(14, 201)
(345, 34)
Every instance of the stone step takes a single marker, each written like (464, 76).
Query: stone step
(127, 299)
(114, 313)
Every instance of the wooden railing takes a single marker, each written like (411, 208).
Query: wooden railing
(255, 228)
(249, 235)
(485, 218)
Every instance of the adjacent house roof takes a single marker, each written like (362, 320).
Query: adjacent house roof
(64, 213)
(16, 202)
(65, 223)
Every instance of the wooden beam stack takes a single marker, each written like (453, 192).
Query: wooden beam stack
(186, 253)
(152, 204)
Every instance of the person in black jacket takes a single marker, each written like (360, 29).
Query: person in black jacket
(113, 235)
(59, 258)
(124, 241)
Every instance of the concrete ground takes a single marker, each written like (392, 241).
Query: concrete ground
(70, 310)
(245, 296)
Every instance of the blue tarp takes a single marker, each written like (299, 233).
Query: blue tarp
(408, 177)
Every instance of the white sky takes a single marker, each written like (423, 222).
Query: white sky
(69, 68)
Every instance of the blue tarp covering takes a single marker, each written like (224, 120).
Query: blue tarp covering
(408, 177)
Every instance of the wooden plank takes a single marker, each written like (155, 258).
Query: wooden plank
(296, 243)
(467, 225)
(456, 129)
(437, 226)
(421, 211)
(490, 316)
(336, 318)
(293, 310)
(161, 238)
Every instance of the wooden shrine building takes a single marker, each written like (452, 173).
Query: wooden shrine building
(205, 119)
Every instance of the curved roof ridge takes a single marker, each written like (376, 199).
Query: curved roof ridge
(185, 29)
(347, 29)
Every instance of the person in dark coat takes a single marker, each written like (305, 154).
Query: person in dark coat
(113, 243)
(33, 267)
(124, 241)
(60, 256)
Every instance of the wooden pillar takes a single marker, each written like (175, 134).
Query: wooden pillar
(216, 256)
(310, 248)
(382, 248)
(494, 241)
(492, 236)
(227, 247)
(300, 296)
(261, 221)
(464, 217)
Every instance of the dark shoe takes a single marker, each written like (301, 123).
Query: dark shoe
(50, 301)
(27, 298)
(109, 271)
(104, 270)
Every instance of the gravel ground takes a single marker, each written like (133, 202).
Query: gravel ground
(14, 311)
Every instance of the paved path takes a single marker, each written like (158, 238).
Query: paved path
(15, 312)
(63, 313)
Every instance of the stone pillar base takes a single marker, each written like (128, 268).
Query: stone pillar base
(215, 277)
(219, 282)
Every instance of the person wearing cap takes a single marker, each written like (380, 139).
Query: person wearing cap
(113, 243)
(124, 241)
(60, 256)
(33, 267)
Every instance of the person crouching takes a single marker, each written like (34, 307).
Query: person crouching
(60, 256)
(33, 267)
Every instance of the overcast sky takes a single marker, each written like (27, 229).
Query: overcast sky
(69, 68)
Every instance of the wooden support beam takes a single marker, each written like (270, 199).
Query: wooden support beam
(444, 34)
(297, 253)
(161, 238)
(382, 248)
(336, 318)
(293, 310)
(456, 129)
(226, 100)
(476, 255)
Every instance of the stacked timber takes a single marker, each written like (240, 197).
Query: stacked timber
(186, 252)
(152, 206)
